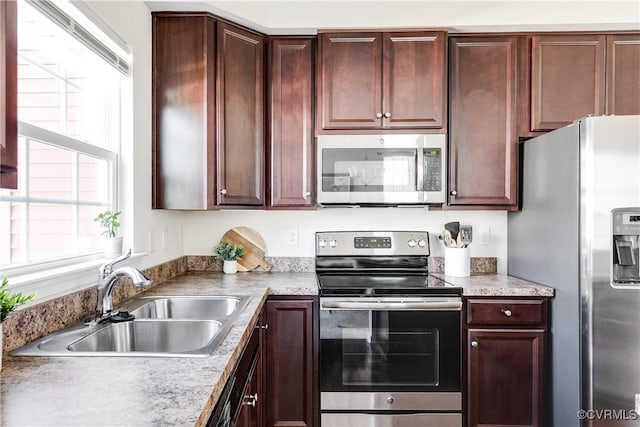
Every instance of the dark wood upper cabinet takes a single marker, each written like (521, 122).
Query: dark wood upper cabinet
(374, 81)
(414, 80)
(483, 76)
(623, 74)
(567, 79)
(291, 142)
(240, 116)
(350, 81)
(291, 363)
(208, 113)
(183, 112)
(8, 95)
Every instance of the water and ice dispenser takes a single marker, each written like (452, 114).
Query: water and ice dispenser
(625, 229)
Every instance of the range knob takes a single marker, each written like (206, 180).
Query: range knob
(422, 243)
(411, 243)
(333, 243)
(322, 243)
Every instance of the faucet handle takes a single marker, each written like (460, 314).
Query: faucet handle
(107, 267)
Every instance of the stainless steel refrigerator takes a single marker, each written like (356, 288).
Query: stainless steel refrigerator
(572, 234)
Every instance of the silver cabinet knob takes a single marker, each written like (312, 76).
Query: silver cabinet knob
(390, 400)
(506, 312)
(387, 115)
(252, 399)
(454, 193)
(379, 115)
(474, 343)
(223, 191)
(307, 194)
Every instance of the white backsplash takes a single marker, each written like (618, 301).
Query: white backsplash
(203, 230)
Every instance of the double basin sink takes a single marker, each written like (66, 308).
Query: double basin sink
(164, 326)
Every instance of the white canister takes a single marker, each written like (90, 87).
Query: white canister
(457, 262)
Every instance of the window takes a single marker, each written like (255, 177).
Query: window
(69, 86)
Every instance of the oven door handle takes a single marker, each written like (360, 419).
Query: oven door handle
(359, 305)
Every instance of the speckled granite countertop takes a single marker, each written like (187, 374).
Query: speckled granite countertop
(139, 391)
(496, 285)
(135, 391)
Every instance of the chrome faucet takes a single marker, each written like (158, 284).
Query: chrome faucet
(107, 281)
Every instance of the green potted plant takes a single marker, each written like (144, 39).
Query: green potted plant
(9, 301)
(109, 223)
(229, 255)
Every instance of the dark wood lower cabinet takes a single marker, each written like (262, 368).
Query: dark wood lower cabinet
(291, 363)
(505, 358)
(248, 389)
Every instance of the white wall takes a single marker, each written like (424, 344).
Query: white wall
(132, 21)
(195, 233)
(203, 230)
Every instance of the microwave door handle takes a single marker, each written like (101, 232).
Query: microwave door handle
(420, 170)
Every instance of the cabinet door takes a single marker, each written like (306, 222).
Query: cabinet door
(505, 377)
(414, 80)
(482, 131)
(291, 143)
(290, 364)
(240, 116)
(350, 81)
(567, 79)
(623, 74)
(183, 105)
(8, 95)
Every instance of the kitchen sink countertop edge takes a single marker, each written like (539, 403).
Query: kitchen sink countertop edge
(135, 391)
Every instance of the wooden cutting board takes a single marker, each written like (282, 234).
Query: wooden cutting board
(254, 248)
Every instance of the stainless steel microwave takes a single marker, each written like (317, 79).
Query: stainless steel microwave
(381, 169)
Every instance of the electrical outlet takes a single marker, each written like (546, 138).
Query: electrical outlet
(151, 240)
(484, 236)
(292, 237)
(165, 239)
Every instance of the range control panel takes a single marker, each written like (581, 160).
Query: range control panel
(389, 243)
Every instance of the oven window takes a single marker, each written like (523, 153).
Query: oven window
(376, 356)
(372, 350)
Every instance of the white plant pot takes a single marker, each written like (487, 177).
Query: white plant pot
(230, 267)
(112, 247)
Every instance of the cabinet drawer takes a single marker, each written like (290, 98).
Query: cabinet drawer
(506, 312)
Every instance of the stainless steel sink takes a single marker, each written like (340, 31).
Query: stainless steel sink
(165, 326)
(152, 336)
(187, 307)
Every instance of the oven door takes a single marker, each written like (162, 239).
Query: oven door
(390, 344)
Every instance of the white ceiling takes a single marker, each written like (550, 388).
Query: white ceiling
(306, 16)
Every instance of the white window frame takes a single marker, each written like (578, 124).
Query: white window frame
(52, 279)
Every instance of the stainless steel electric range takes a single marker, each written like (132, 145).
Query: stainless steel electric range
(389, 333)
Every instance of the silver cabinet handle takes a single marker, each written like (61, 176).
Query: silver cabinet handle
(474, 343)
(506, 312)
(307, 194)
(454, 193)
(390, 400)
(387, 115)
(223, 191)
(379, 115)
